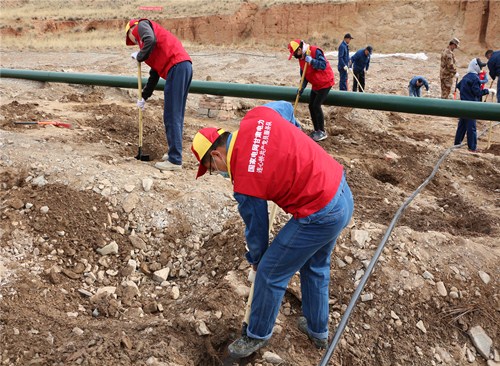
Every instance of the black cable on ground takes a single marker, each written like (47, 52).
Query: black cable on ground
(343, 322)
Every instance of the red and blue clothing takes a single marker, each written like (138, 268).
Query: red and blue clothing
(168, 59)
(320, 74)
(271, 159)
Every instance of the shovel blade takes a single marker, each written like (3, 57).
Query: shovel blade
(142, 157)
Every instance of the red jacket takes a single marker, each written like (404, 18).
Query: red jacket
(167, 52)
(270, 158)
(319, 79)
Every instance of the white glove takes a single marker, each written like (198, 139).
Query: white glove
(134, 55)
(346, 68)
(141, 103)
(308, 59)
(492, 91)
(457, 75)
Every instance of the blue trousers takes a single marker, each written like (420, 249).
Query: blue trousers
(304, 244)
(343, 79)
(175, 95)
(466, 126)
(413, 91)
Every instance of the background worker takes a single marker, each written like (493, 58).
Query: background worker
(320, 74)
(360, 62)
(271, 159)
(494, 67)
(448, 71)
(168, 59)
(343, 62)
(415, 85)
(470, 89)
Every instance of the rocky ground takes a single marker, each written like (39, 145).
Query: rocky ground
(105, 260)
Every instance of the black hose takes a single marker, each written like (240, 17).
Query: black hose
(343, 322)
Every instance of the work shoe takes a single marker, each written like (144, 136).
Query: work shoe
(167, 165)
(245, 346)
(165, 157)
(319, 136)
(319, 343)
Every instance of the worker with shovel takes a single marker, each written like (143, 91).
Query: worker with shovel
(269, 158)
(360, 63)
(314, 68)
(168, 59)
(470, 89)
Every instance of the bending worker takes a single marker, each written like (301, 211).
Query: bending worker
(168, 59)
(269, 158)
(320, 74)
(360, 63)
(415, 85)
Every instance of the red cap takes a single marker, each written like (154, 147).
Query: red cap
(129, 25)
(202, 142)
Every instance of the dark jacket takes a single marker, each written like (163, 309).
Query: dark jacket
(470, 88)
(360, 61)
(494, 64)
(413, 82)
(343, 56)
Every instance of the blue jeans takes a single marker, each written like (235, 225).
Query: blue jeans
(303, 244)
(413, 91)
(466, 126)
(343, 79)
(174, 105)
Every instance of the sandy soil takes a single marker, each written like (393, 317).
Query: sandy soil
(67, 193)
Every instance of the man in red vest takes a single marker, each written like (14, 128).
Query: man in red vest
(168, 59)
(320, 74)
(270, 159)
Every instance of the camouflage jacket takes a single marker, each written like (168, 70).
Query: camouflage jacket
(448, 64)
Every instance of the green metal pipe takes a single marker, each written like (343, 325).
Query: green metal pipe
(395, 103)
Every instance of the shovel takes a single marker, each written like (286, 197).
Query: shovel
(140, 155)
(44, 123)
(490, 130)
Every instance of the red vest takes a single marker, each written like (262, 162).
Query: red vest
(482, 76)
(319, 79)
(272, 159)
(167, 52)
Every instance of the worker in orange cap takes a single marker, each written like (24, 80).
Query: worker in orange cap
(320, 74)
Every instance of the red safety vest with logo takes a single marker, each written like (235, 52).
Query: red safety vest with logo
(482, 76)
(319, 79)
(167, 52)
(272, 159)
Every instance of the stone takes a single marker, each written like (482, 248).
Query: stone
(481, 341)
(272, 358)
(421, 326)
(111, 248)
(137, 242)
(161, 275)
(484, 277)
(147, 183)
(441, 289)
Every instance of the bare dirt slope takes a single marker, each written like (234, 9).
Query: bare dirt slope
(67, 193)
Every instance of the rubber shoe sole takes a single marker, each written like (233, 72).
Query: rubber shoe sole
(245, 346)
(319, 136)
(167, 166)
(319, 343)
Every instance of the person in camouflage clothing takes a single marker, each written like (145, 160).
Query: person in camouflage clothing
(448, 70)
